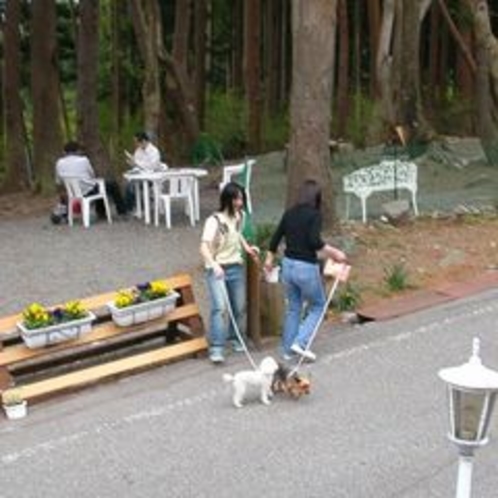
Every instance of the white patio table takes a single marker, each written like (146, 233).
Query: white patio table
(142, 182)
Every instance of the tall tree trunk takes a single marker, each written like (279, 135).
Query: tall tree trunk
(487, 80)
(16, 158)
(87, 88)
(409, 111)
(179, 83)
(343, 76)
(384, 63)
(47, 138)
(252, 66)
(236, 81)
(309, 156)
(286, 57)
(118, 14)
(435, 81)
(271, 40)
(398, 68)
(374, 17)
(200, 20)
(148, 29)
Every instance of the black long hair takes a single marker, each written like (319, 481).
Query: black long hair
(230, 192)
(310, 193)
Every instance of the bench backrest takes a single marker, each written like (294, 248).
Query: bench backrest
(384, 176)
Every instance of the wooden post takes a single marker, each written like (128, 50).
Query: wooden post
(253, 302)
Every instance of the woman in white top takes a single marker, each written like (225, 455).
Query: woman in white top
(222, 247)
(146, 156)
(145, 159)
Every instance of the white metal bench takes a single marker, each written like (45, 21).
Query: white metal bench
(386, 176)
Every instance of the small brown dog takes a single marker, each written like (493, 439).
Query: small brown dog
(293, 385)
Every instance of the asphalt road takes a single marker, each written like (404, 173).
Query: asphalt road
(374, 425)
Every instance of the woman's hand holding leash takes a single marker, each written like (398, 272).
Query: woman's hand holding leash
(268, 264)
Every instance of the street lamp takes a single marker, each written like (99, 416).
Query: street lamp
(472, 390)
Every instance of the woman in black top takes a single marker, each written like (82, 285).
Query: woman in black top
(300, 226)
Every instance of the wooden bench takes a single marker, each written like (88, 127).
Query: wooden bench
(386, 176)
(108, 351)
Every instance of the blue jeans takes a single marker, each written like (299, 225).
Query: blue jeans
(220, 325)
(302, 284)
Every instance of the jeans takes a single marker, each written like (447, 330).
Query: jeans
(302, 284)
(220, 325)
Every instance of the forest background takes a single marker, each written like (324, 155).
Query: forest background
(213, 80)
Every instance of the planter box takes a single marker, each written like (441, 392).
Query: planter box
(17, 411)
(143, 312)
(45, 336)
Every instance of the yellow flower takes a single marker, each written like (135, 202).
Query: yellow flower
(124, 298)
(74, 309)
(158, 288)
(35, 316)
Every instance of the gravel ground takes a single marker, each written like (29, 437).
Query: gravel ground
(52, 264)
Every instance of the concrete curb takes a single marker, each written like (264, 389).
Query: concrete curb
(417, 300)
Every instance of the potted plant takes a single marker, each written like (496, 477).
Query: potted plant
(13, 404)
(42, 327)
(142, 303)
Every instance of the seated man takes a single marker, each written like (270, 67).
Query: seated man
(74, 164)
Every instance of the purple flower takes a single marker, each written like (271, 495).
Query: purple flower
(143, 287)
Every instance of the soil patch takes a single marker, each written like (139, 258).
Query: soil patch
(431, 252)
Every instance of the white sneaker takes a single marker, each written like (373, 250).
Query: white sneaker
(306, 353)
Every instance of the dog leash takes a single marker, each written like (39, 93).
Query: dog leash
(342, 276)
(235, 326)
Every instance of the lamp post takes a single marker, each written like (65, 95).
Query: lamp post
(472, 390)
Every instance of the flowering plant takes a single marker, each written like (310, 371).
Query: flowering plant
(141, 293)
(36, 316)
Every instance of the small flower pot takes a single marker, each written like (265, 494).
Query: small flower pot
(54, 334)
(16, 411)
(143, 312)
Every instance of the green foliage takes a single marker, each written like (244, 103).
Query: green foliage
(276, 131)
(226, 122)
(396, 277)
(454, 113)
(263, 234)
(348, 298)
(359, 119)
(206, 151)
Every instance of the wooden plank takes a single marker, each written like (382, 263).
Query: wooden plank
(11, 355)
(6, 379)
(111, 369)
(8, 323)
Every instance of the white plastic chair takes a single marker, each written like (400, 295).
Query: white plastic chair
(245, 169)
(180, 188)
(74, 192)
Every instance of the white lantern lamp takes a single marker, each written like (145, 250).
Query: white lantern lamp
(472, 390)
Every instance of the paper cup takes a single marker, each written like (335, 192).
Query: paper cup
(273, 275)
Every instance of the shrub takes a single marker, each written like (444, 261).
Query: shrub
(396, 277)
(348, 298)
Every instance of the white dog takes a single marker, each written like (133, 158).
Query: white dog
(262, 379)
